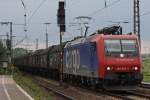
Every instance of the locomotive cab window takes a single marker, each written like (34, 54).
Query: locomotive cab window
(115, 47)
(129, 46)
(112, 46)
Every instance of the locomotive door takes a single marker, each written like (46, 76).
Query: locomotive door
(94, 59)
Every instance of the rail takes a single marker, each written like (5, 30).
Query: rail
(139, 94)
(145, 85)
(116, 95)
(125, 95)
(57, 92)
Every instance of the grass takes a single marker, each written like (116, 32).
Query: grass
(146, 70)
(5, 71)
(28, 84)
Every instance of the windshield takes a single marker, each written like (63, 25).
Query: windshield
(119, 46)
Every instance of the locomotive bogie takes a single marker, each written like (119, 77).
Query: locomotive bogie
(122, 81)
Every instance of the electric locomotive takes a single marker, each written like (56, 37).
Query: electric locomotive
(107, 59)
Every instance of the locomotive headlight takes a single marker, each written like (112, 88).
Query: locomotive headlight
(135, 68)
(108, 68)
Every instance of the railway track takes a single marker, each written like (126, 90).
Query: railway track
(100, 94)
(43, 84)
(70, 92)
(145, 85)
(128, 95)
(139, 93)
(116, 95)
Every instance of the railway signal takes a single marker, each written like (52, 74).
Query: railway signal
(62, 26)
(61, 16)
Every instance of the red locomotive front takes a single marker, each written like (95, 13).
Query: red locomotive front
(120, 61)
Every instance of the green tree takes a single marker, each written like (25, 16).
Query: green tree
(19, 52)
(2, 51)
(3, 55)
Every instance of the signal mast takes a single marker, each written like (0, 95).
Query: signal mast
(137, 19)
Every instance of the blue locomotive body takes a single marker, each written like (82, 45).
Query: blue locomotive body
(81, 59)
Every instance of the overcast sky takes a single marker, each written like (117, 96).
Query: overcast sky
(12, 10)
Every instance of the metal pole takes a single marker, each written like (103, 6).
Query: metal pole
(81, 31)
(36, 44)
(11, 49)
(25, 22)
(138, 15)
(134, 17)
(7, 36)
(11, 42)
(46, 40)
(7, 49)
(137, 19)
(61, 64)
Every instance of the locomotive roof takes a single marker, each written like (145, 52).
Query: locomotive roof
(93, 38)
(124, 36)
(82, 40)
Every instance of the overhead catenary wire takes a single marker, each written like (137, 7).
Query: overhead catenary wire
(39, 6)
(23, 4)
(144, 14)
(74, 3)
(111, 4)
(106, 6)
(92, 14)
(19, 42)
(141, 15)
(105, 3)
(25, 15)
